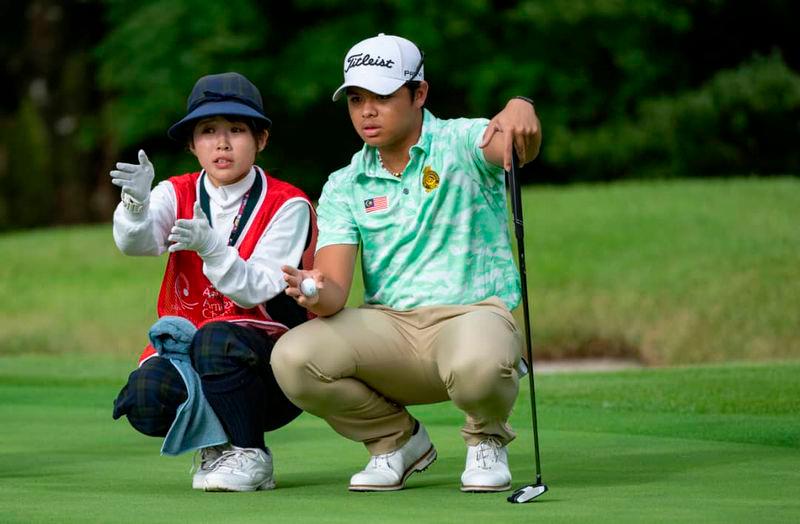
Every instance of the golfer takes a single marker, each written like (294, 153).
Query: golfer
(228, 228)
(424, 199)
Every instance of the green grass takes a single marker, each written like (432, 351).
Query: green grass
(69, 289)
(696, 444)
(673, 272)
(668, 272)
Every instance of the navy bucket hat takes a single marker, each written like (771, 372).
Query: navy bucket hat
(224, 94)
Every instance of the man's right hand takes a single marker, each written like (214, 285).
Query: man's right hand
(135, 179)
(333, 275)
(294, 277)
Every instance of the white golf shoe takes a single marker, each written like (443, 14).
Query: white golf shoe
(207, 457)
(389, 471)
(241, 469)
(487, 468)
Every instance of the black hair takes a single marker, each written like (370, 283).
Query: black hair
(257, 127)
(412, 86)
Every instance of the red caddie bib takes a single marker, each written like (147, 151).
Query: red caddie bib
(186, 292)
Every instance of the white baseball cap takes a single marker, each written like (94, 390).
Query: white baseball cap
(382, 64)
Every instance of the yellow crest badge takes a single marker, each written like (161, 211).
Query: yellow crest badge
(430, 179)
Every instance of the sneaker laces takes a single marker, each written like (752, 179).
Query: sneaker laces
(202, 459)
(488, 453)
(381, 460)
(235, 458)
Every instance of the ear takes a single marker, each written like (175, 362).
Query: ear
(262, 140)
(190, 146)
(421, 94)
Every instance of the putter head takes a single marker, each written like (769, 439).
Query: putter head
(527, 493)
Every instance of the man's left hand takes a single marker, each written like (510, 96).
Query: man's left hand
(518, 128)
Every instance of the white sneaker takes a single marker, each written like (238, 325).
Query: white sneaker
(241, 469)
(207, 457)
(388, 472)
(487, 468)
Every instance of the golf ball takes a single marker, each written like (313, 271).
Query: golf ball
(309, 287)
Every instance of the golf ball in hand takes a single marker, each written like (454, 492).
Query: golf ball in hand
(309, 287)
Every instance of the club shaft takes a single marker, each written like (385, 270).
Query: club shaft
(519, 232)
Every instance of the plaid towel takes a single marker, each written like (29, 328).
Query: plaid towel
(196, 425)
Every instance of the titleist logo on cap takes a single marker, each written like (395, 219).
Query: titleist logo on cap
(361, 59)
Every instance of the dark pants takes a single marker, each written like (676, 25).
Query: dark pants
(237, 380)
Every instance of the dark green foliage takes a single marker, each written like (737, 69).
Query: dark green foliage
(156, 51)
(744, 120)
(48, 168)
(624, 88)
(28, 199)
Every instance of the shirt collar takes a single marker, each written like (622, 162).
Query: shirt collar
(229, 194)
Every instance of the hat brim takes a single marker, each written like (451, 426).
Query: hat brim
(378, 85)
(180, 129)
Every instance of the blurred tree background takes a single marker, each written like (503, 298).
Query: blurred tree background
(624, 88)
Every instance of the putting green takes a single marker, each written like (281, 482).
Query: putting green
(663, 445)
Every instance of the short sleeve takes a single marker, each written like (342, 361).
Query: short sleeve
(334, 216)
(471, 136)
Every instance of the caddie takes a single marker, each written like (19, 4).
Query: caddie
(228, 228)
(424, 199)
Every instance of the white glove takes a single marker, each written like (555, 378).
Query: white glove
(135, 179)
(196, 235)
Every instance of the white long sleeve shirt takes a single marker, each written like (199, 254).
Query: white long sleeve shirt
(245, 282)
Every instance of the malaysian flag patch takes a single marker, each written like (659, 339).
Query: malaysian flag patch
(375, 204)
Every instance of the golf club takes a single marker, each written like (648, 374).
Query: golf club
(531, 491)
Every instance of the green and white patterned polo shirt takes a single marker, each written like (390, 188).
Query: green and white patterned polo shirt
(436, 236)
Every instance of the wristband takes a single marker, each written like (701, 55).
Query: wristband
(526, 99)
(131, 204)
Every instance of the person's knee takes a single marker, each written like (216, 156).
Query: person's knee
(151, 397)
(289, 360)
(482, 363)
(295, 368)
(215, 350)
(475, 378)
(150, 424)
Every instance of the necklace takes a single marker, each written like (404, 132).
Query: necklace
(396, 174)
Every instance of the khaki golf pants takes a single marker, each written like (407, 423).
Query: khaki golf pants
(358, 369)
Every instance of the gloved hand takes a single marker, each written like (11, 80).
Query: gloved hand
(135, 179)
(195, 234)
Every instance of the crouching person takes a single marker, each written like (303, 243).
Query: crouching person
(424, 200)
(205, 381)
